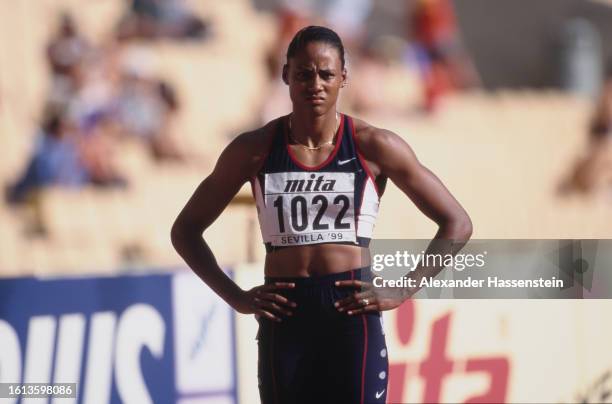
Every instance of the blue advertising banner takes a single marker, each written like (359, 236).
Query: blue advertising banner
(161, 338)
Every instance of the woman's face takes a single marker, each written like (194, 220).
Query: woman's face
(314, 76)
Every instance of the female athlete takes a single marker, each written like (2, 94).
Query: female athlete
(317, 176)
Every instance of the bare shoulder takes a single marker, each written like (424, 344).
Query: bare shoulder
(379, 146)
(255, 143)
(248, 151)
(370, 137)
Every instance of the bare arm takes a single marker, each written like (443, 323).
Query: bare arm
(429, 195)
(208, 201)
(392, 157)
(238, 162)
(398, 162)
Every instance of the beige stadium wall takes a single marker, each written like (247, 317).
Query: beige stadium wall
(219, 83)
(503, 156)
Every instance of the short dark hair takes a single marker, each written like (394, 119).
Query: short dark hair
(314, 33)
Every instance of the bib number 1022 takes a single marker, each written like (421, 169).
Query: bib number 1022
(299, 212)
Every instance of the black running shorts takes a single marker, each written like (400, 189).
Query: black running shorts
(320, 355)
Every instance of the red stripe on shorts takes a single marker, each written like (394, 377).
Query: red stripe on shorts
(365, 354)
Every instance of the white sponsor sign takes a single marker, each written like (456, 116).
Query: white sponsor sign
(203, 343)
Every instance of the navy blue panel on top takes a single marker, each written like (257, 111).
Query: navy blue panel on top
(344, 158)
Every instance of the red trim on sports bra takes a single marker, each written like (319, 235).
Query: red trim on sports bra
(365, 354)
(359, 210)
(329, 159)
(362, 159)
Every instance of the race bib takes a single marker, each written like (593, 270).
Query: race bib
(310, 208)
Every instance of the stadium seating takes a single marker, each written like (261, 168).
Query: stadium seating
(502, 154)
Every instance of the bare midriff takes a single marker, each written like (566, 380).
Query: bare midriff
(315, 260)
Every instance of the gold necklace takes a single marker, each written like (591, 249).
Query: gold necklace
(317, 147)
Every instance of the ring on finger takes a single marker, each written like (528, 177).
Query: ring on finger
(365, 301)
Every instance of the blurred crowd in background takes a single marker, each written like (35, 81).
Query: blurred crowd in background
(593, 170)
(106, 94)
(103, 93)
(430, 45)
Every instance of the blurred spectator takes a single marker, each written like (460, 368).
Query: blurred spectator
(594, 170)
(581, 58)
(165, 145)
(290, 18)
(151, 19)
(98, 94)
(97, 145)
(61, 158)
(67, 48)
(601, 124)
(144, 107)
(347, 17)
(65, 54)
(94, 88)
(55, 160)
(444, 64)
